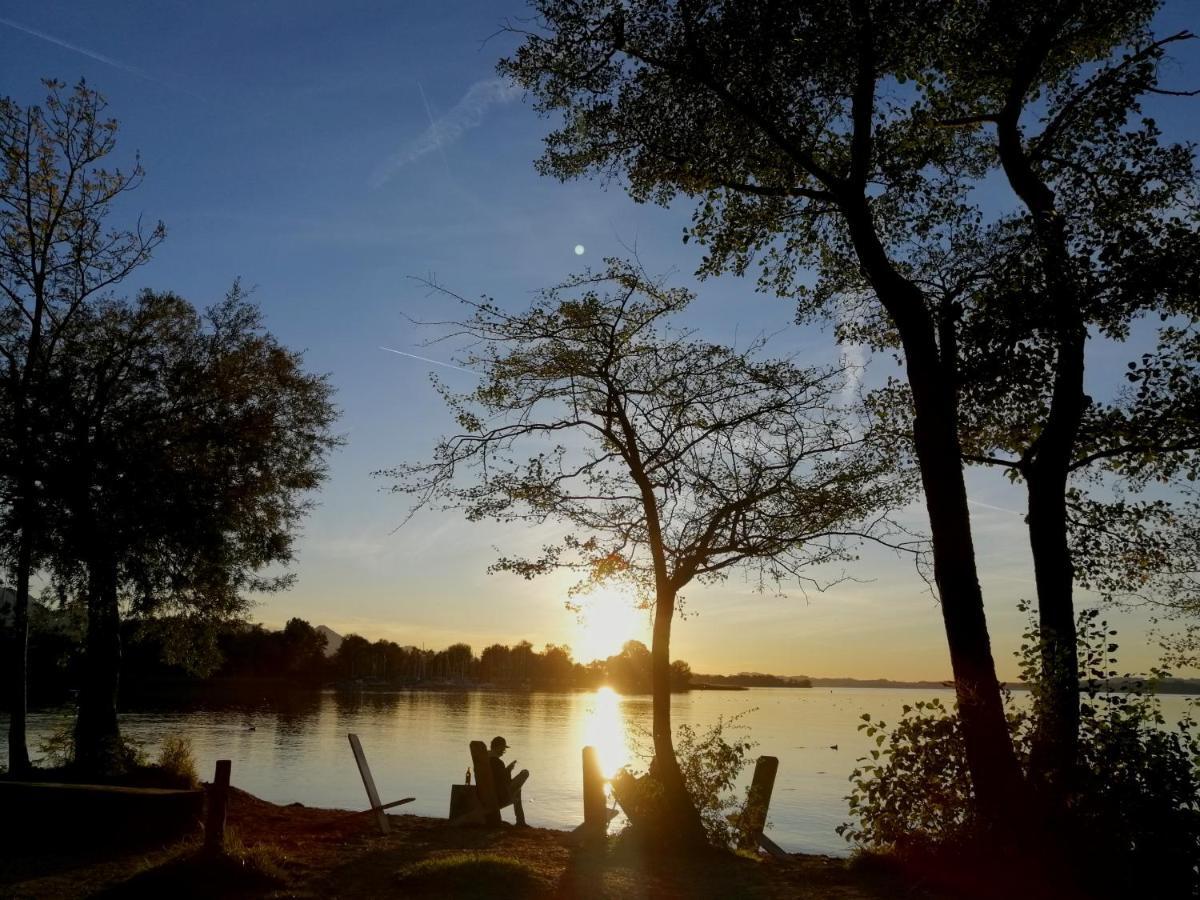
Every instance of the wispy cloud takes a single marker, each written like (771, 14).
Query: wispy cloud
(468, 113)
(92, 54)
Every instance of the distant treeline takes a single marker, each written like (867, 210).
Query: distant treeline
(753, 679)
(164, 661)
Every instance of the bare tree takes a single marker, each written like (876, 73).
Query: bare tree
(671, 460)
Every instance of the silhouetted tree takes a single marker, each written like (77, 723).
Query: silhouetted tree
(55, 253)
(836, 135)
(187, 451)
(696, 458)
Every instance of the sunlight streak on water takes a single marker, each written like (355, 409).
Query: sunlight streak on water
(604, 729)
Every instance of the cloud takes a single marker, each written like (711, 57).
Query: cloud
(468, 113)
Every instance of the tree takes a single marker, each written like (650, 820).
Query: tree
(779, 127)
(669, 459)
(1105, 232)
(836, 135)
(187, 452)
(55, 253)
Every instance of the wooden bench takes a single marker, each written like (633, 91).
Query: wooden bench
(369, 783)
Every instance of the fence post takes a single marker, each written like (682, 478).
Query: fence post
(754, 816)
(595, 808)
(218, 801)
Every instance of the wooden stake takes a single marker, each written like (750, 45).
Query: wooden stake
(595, 809)
(218, 802)
(369, 783)
(754, 815)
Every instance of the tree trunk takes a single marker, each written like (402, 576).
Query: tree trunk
(18, 750)
(1056, 741)
(680, 824)
(995, 774)
(98, 747)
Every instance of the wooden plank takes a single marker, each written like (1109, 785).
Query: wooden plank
(595, 809)
(485, 785)
(758, 800)
(771, 847)
(218, 802)
(369, 783)
(398, 802)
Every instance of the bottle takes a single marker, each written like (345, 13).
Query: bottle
(468, 774)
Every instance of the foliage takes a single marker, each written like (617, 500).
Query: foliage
(58, 749)
(711, 765)
(57, 254)
(671, 460)
(711, 762)
(974, 184)
(1135, 811)
(176, 760)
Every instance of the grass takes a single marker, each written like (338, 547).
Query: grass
(472, 875)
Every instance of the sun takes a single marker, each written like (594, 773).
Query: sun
(608, 617)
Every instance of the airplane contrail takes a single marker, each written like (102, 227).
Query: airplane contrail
(436, 362)
(99, 57)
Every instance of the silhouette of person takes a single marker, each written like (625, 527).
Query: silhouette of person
(508, 787)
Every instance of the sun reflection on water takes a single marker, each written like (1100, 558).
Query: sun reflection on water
(604, 729)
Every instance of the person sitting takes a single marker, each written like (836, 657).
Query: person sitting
(508, 786)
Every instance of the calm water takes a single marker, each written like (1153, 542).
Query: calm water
(416, 744)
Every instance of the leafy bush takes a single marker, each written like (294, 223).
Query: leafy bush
(1136, 807)
(176, 760)
(710, 764)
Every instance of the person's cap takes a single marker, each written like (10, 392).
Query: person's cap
(499, 743)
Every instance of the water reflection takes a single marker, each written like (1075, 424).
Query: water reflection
(604, 729)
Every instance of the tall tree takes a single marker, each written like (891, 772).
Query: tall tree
(671, 460)
(854, 149)
(55, 253)
(188, 451)
(796, 128)
(1106, 231)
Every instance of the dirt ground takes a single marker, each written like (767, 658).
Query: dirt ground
(296, 851)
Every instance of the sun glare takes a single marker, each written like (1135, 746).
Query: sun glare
(604, 729)
(607, 619)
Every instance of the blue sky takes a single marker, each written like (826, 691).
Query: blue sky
(327, 154)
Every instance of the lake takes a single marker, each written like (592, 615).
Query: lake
(416, 743)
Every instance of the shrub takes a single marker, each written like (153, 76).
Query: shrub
(1135, 810)
(176, 761)
(710, 765)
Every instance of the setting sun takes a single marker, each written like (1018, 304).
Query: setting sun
(608, 617)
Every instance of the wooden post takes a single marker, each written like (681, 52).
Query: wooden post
(218, 802)
(485, 785)
(595, 809)
(754, 815)
(369, 783)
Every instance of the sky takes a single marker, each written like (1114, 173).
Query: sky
(335, 157)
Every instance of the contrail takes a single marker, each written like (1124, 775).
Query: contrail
(99, 57)
(997, 508)
(466, 114)
(433, 124)
(436, 362)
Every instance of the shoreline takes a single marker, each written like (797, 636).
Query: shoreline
(298, 851)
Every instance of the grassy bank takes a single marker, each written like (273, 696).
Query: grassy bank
(296, 851)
